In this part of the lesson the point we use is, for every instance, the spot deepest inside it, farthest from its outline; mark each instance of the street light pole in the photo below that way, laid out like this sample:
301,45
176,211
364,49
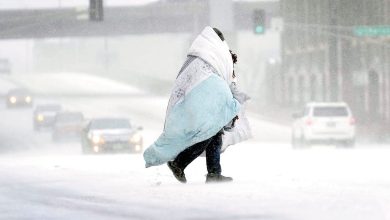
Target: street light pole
386,70
334,52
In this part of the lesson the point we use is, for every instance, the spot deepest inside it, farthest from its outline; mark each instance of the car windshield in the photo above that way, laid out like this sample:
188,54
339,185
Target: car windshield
49,108
110,124
336,111
70,117
20,92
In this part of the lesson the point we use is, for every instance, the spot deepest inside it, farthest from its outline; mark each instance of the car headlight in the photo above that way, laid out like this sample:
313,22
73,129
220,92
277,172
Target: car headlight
138,147
28,99
12,99
96,139
40,117
136,138
96,149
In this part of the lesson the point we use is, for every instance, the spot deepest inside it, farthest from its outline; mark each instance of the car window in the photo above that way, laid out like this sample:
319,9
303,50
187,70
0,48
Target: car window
18,92
70,118
334,111
49,108
110,124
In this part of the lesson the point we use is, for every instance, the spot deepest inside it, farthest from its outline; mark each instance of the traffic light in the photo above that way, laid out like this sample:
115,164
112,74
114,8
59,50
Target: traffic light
259,21
96,10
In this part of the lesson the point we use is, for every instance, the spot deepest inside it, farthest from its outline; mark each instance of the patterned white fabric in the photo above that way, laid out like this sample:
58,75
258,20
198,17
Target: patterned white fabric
188,80
241,131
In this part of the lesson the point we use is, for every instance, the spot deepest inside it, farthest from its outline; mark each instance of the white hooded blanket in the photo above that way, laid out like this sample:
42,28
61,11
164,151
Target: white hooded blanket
201,102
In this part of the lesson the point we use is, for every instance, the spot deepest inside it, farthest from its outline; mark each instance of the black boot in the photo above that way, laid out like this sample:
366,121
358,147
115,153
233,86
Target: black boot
217,178
177,172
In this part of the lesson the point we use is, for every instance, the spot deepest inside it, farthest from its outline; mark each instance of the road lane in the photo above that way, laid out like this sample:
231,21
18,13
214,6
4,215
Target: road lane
45,180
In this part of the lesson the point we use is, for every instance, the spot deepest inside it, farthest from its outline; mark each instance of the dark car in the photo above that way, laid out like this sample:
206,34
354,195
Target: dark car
67,125
111,134
44,115
19,98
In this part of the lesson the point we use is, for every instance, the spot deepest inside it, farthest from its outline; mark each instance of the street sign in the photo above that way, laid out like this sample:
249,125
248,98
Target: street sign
371,31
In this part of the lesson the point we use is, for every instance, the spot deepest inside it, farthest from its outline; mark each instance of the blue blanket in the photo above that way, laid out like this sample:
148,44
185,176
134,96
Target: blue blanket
199,115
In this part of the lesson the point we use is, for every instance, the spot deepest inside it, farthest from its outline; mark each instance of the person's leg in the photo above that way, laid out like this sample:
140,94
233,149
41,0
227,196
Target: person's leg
213,151
191,153
182,160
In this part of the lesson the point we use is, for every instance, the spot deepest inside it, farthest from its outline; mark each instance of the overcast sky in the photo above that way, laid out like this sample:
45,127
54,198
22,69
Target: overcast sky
30,4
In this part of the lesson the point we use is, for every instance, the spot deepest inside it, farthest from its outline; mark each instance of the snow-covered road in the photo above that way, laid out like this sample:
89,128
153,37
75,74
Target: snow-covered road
271,182
43,180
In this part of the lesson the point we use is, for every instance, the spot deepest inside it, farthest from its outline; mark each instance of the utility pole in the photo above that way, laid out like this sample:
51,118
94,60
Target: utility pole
334,52
96,10
386,71
283,87
346,59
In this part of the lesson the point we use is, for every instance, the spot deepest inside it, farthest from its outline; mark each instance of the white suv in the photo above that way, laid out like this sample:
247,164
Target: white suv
324,122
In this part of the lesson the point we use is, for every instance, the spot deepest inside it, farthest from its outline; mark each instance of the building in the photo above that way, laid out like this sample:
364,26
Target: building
338,50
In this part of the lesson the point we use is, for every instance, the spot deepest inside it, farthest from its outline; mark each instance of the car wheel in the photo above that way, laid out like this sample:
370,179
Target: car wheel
349,143
307,143
295,142
304,143
299,143
54,137
85,148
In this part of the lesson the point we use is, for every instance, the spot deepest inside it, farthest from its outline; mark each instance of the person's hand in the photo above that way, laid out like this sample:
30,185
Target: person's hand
234,56
240,96
234,120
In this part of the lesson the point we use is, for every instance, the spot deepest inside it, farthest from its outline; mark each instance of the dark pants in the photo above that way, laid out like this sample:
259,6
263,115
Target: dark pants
213,150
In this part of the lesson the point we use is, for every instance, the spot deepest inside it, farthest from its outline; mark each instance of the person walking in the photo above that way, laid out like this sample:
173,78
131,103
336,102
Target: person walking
211,146
200,106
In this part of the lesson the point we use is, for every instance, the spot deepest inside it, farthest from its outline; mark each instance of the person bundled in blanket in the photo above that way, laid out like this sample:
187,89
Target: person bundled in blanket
203,104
